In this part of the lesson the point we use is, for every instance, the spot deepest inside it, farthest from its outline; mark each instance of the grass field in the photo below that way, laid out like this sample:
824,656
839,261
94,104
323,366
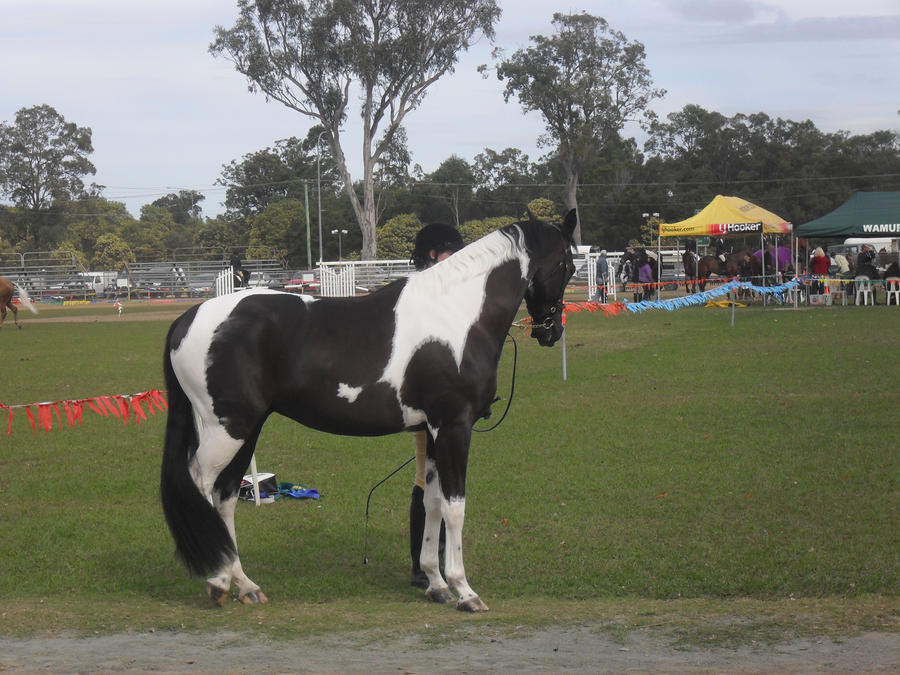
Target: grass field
685,469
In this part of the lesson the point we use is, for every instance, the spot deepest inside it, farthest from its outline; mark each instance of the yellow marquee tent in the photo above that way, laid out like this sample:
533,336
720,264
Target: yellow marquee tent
724,216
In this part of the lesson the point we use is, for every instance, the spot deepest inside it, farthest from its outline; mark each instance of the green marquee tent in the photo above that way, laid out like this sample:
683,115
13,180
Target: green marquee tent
865,214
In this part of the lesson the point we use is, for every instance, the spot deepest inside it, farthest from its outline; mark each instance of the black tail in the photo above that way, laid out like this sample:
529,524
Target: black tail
201,539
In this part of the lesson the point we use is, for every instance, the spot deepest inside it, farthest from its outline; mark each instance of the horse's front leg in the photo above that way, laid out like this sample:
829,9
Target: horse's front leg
445,490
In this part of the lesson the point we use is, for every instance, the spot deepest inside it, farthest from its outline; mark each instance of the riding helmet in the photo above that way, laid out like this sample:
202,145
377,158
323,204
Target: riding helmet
435,237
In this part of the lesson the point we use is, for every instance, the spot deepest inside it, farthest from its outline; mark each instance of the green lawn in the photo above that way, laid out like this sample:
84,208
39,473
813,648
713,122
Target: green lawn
683,461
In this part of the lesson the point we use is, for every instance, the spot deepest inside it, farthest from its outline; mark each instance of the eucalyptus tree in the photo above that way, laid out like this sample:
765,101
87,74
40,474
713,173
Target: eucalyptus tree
314,55
588,81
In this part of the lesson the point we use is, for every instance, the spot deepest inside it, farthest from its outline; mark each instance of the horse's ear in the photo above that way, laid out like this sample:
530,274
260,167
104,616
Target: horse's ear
569,223
530,214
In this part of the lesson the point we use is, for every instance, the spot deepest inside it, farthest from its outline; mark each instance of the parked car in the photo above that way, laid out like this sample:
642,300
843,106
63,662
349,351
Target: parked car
202,284
264,280
302,282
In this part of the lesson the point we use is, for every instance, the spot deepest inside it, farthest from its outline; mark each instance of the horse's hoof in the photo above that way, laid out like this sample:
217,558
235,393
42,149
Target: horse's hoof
218,595
473,604
439,595
256,597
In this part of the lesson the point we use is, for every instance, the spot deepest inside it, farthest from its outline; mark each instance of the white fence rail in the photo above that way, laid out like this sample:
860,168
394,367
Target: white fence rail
346,278
225,282
338,280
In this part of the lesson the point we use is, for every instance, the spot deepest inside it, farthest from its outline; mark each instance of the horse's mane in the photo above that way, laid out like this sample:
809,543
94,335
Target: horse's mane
475,259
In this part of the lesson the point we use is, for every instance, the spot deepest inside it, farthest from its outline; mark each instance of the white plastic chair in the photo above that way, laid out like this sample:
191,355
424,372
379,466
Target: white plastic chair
837,289
892,290
864,290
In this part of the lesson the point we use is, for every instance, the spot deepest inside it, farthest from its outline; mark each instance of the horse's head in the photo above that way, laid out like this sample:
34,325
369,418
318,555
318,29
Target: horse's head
550,250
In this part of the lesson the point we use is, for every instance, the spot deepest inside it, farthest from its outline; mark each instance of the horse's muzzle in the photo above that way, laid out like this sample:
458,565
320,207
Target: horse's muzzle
548,331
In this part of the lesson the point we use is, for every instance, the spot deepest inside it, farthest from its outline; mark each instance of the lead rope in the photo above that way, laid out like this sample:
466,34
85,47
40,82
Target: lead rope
512,389
368,499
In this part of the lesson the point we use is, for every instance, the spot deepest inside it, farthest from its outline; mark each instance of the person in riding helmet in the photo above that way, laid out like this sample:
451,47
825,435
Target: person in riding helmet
721,249
690,245
433,243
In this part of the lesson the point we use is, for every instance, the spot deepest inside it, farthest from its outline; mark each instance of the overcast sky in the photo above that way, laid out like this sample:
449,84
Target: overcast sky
166,115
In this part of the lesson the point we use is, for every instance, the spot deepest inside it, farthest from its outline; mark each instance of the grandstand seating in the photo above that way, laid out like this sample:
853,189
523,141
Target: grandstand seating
59,276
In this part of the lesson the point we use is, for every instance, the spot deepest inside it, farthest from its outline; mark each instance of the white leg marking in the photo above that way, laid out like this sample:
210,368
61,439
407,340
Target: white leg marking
215,451
454,512
428,558
244,583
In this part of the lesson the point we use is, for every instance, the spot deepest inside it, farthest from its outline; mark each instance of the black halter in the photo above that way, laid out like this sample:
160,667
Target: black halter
565,264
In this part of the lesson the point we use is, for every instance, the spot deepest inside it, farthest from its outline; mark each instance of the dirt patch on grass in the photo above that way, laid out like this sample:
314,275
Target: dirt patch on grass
111,316
578,649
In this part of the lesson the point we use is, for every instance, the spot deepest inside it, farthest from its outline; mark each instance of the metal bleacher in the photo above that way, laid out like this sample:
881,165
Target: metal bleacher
187,278
47,275
59,276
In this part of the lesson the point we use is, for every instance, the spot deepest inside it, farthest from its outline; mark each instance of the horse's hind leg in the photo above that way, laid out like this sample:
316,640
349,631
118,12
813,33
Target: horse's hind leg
217,469
249,592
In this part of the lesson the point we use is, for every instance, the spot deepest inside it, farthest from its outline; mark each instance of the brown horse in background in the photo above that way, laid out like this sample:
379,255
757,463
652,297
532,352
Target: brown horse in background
689,263
7,290
710,265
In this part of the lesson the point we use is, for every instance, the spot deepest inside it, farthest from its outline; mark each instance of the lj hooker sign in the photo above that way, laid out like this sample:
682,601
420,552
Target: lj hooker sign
687,229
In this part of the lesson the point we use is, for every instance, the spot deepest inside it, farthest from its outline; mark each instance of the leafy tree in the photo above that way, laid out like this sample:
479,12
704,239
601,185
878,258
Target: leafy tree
505,181
184,206
216,236
111,252
476,229
587,81
43,159
311,54
13,226
266,176
89,220
397,236
544,209
155,235
788,167
616,189
450,187
278,232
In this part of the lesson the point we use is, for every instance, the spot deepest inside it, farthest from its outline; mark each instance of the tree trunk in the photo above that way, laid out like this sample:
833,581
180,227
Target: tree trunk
364,211
570,198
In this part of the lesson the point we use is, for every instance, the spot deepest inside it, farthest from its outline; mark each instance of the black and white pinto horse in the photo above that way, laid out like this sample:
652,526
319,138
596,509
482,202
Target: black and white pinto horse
420,353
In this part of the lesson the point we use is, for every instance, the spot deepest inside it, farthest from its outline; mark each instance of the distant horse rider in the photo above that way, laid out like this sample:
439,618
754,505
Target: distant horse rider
241,276
690,245
721,249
